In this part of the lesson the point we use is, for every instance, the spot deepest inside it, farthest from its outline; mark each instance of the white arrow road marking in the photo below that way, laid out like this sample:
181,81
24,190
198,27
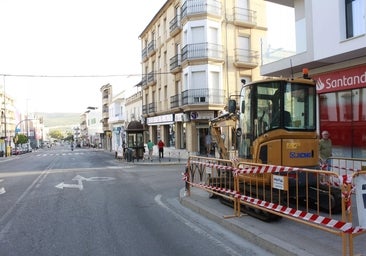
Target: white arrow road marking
80,186
2,190
80,179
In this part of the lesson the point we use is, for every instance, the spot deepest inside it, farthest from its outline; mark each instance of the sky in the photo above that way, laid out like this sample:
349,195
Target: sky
55,55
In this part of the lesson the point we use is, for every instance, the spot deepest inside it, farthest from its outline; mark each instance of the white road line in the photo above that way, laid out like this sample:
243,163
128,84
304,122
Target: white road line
195,228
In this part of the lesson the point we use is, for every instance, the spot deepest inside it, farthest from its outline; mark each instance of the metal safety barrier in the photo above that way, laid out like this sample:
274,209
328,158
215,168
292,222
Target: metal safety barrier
216,176
317,198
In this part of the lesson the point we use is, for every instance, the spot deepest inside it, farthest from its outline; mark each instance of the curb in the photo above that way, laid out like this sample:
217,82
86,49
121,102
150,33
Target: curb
268,242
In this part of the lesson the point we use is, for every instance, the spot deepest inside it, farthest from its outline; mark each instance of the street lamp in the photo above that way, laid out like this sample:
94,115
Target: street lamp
16,127
3,117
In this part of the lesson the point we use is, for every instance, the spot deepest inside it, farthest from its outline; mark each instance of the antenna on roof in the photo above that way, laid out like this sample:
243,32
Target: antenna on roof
292,70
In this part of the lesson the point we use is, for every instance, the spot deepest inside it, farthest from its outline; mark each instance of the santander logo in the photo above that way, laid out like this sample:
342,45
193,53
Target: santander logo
346,79
319,85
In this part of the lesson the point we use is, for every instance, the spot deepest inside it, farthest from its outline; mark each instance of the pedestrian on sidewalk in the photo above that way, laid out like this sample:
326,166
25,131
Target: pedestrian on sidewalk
325,150
150,147
161,149
208,141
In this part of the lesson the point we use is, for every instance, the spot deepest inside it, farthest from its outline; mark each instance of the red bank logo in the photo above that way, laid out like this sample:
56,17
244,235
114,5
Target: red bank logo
341,80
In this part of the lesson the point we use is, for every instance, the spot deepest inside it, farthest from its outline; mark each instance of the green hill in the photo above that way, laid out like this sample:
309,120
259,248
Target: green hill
60,119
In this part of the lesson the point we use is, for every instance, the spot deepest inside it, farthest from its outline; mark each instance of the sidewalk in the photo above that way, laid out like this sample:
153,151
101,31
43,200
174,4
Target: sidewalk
171,156
282,237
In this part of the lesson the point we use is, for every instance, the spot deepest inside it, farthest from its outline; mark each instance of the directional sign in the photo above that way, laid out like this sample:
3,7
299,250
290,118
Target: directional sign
80,180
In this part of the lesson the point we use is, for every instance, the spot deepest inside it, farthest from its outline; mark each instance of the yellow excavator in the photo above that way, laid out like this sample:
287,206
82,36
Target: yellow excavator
275,123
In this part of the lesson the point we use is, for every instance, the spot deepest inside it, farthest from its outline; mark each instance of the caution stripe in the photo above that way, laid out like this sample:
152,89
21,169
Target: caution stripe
345,227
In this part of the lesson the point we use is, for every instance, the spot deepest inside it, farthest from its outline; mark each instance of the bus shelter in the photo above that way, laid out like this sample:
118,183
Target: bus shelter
135,140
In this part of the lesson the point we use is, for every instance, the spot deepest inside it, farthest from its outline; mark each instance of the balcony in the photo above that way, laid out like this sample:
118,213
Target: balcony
144,54
151,49
117,118
203,51
105,112
144,81
149,108
144,109
246,58
203,96
176,101
105,98
244,17
175,26
200,8
175,62
151,78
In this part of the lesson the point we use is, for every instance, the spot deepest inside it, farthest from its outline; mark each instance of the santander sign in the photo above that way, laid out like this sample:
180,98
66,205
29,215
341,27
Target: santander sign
345,79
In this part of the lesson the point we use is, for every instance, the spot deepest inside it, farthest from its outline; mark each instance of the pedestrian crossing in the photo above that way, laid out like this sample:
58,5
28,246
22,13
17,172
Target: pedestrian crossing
62,154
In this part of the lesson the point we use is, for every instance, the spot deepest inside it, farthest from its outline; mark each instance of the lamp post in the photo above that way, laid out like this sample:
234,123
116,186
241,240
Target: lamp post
3,114
3,117
16,127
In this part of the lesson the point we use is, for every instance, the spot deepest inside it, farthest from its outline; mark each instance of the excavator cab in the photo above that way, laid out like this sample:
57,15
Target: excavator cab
277,122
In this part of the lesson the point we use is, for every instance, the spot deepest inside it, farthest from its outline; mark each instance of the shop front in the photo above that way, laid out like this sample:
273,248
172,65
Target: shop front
342,109
197,127
161,128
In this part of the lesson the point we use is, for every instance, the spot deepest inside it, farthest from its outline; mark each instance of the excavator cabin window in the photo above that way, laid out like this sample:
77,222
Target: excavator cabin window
272,105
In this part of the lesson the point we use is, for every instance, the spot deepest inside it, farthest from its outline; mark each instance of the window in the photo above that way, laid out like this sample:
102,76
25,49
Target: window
355,18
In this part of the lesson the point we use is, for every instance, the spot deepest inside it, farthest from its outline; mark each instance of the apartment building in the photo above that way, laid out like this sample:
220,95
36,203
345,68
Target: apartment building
331,43
95,127
117,120
106,137
133,107
194,55
90,127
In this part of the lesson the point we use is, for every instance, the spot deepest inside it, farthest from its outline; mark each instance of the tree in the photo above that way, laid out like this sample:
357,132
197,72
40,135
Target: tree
20,139
56,134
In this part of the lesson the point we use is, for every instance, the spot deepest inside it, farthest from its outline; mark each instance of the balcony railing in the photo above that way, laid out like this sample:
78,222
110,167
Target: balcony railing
175,25
151,107
144,80
176,101
144,109
144,53
203,96
202,50
246,58
175,63
245,16
199,7
151,77
151,47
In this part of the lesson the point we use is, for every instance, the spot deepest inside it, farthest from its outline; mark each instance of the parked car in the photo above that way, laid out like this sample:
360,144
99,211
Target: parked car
16,151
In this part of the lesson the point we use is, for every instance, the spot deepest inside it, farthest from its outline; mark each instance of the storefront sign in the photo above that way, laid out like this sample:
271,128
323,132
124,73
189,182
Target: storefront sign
339,80
179,117
163,119
199,115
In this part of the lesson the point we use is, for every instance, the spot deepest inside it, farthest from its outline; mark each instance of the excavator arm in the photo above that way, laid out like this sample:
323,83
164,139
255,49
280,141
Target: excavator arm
216,125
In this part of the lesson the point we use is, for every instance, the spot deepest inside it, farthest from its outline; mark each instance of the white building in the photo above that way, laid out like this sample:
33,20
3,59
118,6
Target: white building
95,126
331,43
117,120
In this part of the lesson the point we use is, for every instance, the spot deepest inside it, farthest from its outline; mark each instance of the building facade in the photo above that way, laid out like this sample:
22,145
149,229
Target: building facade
7,123
117,120
106,137
194,55
91,128
331,43
133,108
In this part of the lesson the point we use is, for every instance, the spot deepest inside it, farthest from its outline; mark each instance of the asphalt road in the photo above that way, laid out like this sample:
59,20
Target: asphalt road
84,202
